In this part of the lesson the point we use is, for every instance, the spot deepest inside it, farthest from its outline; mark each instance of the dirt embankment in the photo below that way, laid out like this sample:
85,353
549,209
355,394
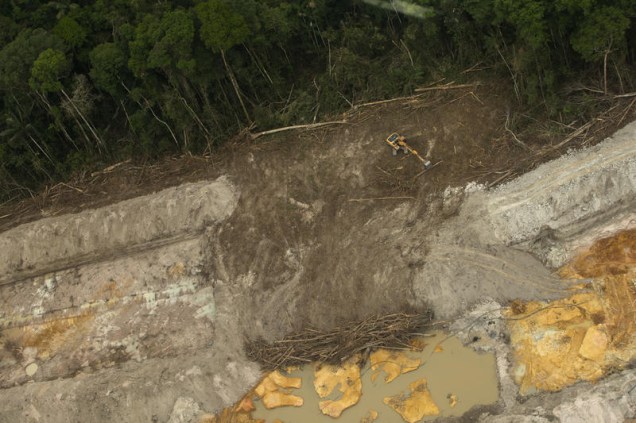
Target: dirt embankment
142,223
314,228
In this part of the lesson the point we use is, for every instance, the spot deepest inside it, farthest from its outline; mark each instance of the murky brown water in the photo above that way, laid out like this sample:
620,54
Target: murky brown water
457,370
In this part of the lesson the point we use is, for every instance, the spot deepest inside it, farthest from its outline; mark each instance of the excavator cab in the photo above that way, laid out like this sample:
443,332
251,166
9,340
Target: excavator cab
393,137
395,140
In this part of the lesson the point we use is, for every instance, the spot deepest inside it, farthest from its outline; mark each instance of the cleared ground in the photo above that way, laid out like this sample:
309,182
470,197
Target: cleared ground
117,312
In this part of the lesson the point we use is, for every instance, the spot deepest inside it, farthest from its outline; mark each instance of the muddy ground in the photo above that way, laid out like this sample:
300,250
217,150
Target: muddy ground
478,120
115,313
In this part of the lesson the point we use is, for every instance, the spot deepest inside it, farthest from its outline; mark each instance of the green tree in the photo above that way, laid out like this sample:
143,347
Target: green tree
108,62
221,29
70,31
48,69
599,31
8,30
163,43
17,58
174,48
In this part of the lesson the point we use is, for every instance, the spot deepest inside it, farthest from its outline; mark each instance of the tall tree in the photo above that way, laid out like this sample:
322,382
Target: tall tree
221,29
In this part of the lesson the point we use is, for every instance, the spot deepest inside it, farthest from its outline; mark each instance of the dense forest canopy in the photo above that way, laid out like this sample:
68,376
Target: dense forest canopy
88,82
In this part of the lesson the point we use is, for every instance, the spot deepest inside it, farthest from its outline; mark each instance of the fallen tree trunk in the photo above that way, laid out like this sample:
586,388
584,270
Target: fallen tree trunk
289,128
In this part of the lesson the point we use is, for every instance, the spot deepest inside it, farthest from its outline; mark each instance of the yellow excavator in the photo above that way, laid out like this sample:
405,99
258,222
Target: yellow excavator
398,142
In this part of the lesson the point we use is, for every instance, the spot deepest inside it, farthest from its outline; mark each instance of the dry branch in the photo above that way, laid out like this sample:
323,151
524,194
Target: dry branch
392,100
421,90
501,178
449,86
381,198
625,95
290,128
337,345
627,109
573,135
514,136
62,184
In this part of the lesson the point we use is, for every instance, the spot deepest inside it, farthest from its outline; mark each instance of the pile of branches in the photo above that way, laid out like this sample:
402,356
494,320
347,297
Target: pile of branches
339,344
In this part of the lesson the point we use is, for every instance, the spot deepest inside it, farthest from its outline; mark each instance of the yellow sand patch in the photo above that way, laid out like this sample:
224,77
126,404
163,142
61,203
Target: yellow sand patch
415,406
51,336
347,377
584,336
393,363
208,418
452,400
371,416
274,390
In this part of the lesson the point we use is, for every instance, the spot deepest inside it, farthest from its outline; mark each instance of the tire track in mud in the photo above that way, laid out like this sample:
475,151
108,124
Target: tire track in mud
578,169
95,258
478,258
124,228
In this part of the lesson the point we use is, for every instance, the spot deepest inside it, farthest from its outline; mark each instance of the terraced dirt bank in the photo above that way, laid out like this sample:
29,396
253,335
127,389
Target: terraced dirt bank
138,311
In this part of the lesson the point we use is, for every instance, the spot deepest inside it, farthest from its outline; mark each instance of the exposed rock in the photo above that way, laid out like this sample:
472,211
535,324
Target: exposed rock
393,363
273,391
31,369
416,405
594,343
347,377
185,410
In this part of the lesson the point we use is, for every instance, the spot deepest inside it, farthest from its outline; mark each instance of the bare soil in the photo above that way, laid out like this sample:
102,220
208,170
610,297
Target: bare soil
466,131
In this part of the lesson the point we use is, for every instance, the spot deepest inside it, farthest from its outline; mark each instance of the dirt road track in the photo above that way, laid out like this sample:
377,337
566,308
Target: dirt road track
573,188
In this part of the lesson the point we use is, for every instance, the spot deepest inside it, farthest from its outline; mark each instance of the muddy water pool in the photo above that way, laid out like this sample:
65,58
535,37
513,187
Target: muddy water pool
455,374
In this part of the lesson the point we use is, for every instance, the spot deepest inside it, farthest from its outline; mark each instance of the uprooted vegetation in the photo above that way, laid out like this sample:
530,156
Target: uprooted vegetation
341,343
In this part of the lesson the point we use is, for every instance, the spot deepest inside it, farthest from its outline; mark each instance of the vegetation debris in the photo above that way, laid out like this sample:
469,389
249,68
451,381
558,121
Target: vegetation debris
339,344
